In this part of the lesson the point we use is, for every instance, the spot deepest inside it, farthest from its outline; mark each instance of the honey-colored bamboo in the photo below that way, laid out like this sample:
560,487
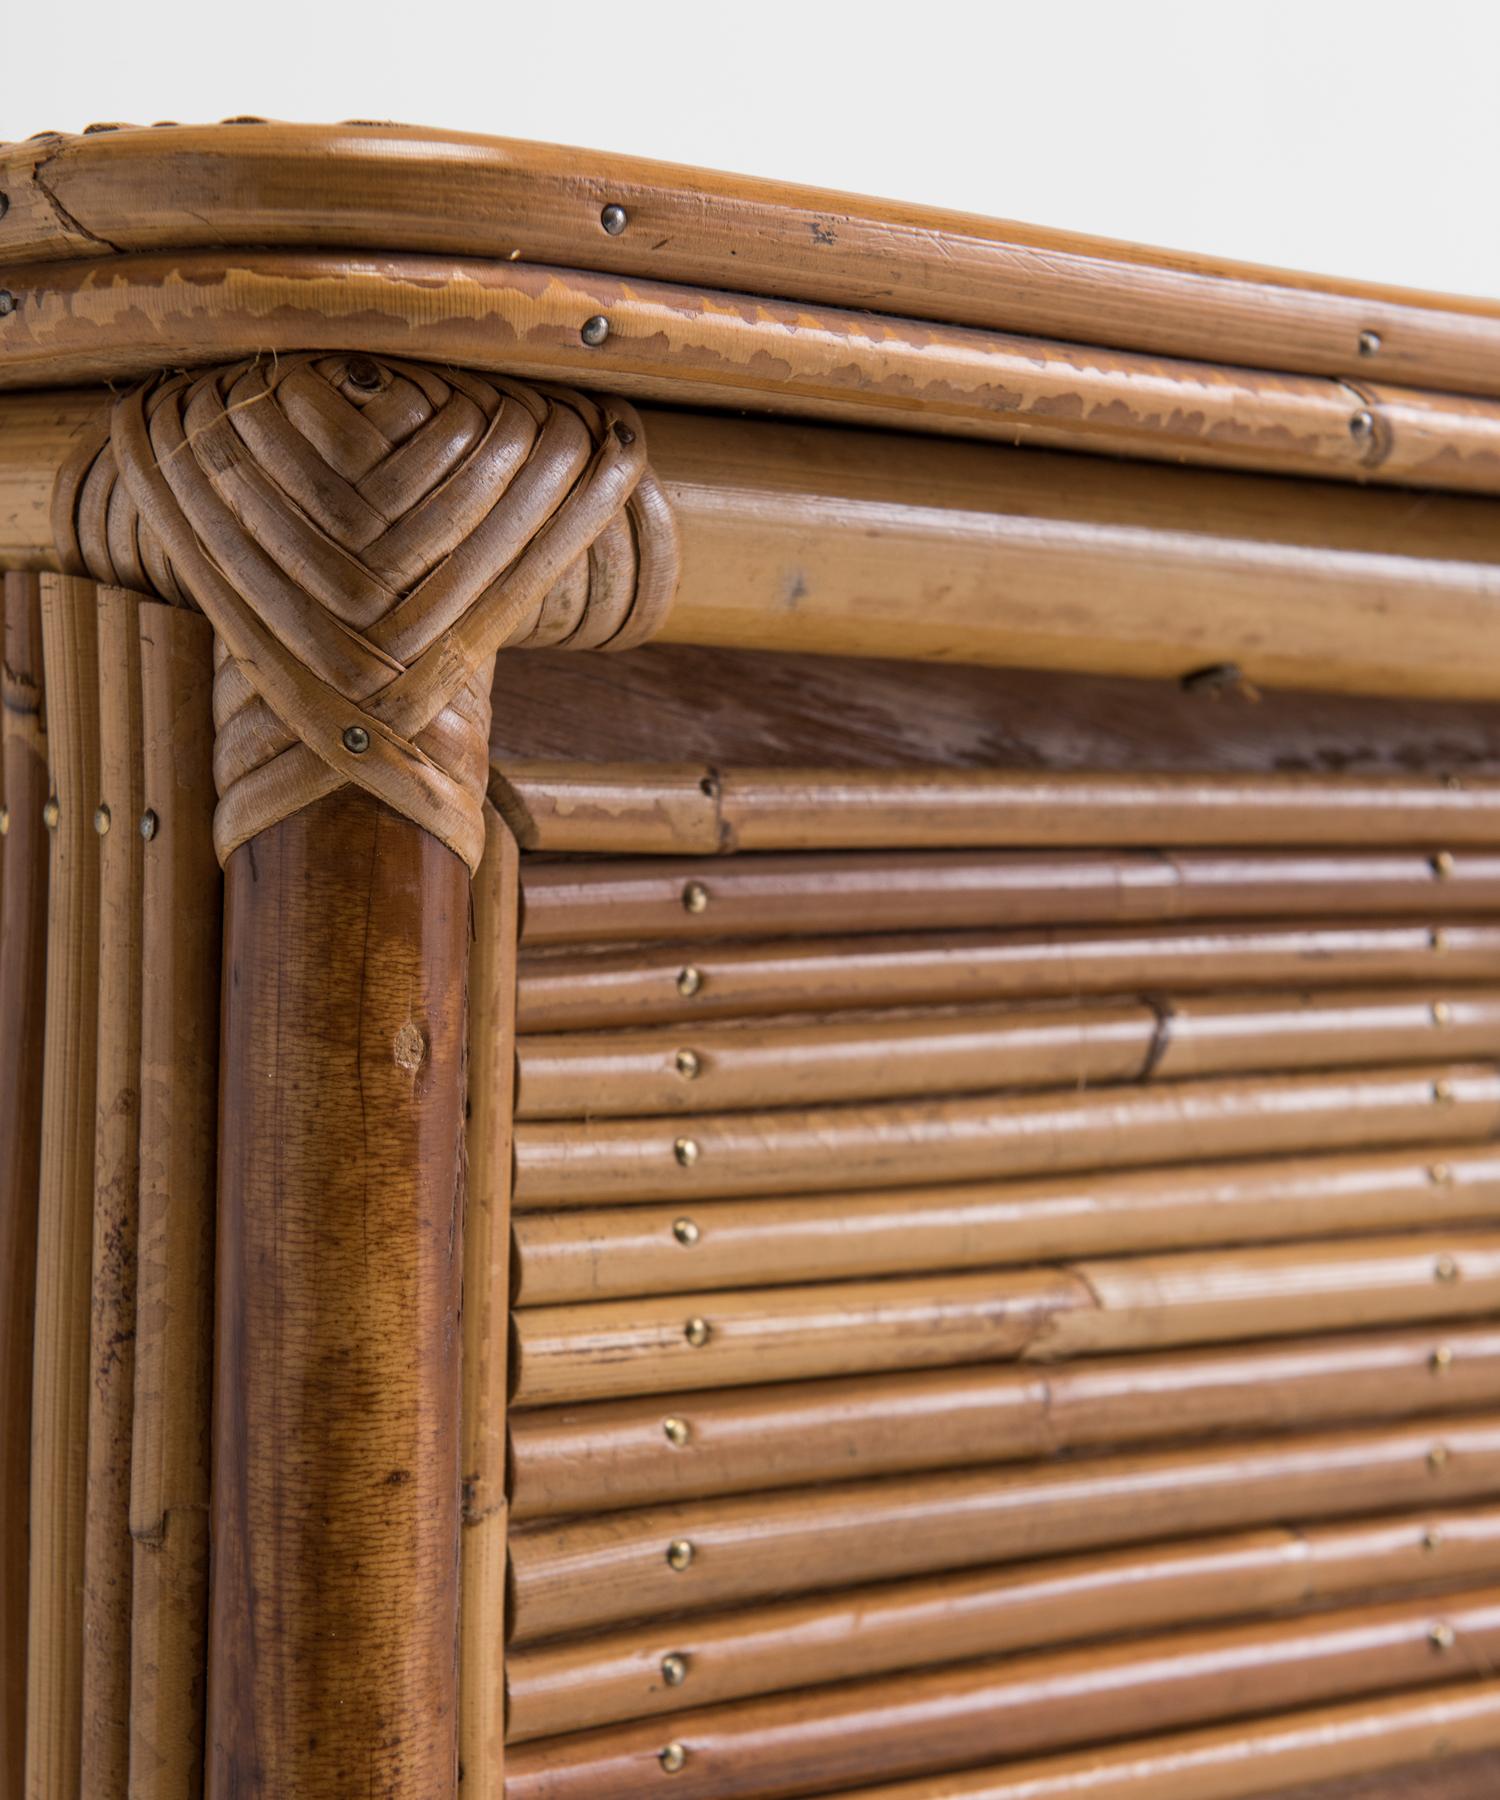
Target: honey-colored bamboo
585,1574
618,1454
950,1718
60,1404
686,811
568,1354
807,1643
107,1549
612,1252
645,985
987,1138
813,893
486,1313
23,990
169,1466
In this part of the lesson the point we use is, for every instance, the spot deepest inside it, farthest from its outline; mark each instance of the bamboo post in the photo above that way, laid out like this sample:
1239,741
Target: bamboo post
23,974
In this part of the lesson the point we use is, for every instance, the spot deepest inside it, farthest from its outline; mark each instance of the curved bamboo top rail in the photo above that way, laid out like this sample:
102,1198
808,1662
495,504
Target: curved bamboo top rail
378,186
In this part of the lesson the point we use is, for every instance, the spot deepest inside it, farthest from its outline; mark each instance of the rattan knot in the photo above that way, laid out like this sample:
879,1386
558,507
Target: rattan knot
364,536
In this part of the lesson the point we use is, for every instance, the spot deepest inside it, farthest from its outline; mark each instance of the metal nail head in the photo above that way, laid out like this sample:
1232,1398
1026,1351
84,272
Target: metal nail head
101,818
674,1669
1369,343
697,1332
695,897
356,739
679,1554
685,1231
51,813
614,219
148,824
595,331
673,1758
689,981
689,1064
677,1431
686,1151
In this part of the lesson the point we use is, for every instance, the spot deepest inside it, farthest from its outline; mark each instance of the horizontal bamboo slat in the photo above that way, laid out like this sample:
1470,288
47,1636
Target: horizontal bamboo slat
580,990
813,893
930,1720
580,1575
849,1148
802,1644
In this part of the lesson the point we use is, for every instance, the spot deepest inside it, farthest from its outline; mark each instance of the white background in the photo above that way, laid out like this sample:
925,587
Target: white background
1354,139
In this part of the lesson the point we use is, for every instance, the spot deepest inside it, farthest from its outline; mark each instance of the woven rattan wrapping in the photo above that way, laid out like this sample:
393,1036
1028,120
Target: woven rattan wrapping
364,536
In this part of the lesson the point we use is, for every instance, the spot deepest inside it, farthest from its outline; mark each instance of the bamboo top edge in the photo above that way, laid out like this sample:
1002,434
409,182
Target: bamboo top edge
381,186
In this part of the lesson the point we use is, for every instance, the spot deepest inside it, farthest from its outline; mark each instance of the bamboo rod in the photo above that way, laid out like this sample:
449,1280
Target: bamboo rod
950,1718
1095,565
595,990
618,1454
813,893
486,1313
612,1349
107,1552
580,1575
169,1469
846,1149
23,999
578,1685
668,810
611,1253
60,1403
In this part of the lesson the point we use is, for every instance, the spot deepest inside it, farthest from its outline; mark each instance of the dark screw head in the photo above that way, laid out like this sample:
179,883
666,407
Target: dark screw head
364,373
595,331
356,740
614,219
7,303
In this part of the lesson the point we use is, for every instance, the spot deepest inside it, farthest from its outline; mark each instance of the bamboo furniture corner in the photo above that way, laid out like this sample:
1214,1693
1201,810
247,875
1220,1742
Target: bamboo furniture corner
889,1190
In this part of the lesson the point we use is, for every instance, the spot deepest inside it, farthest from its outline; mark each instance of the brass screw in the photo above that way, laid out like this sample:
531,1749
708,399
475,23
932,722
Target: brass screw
1441,1358
1442,1012
1432,1539
595,331
695,897
1369,343
1442,864
685,1231
673,1758
101,818
686,1151
674,1669
689,980
1437,1457
614,219
677,1431
1362,425
356,739
51,813
4,820
1441,1637
1440,1174
1445,1269
148,824
679,1554
697,1332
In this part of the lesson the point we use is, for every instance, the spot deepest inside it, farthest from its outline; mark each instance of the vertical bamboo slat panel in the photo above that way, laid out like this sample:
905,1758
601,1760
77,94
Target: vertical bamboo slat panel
65,1222
23,993
170,1461
486,1322
106,1563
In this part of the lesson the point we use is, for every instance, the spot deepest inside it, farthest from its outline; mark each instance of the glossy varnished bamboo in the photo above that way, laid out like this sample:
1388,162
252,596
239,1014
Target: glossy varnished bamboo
60,1405
486,1313
23,973
170,1460
334,1623
107,1549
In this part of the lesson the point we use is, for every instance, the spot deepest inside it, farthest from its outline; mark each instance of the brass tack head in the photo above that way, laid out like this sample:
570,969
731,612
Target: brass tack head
356,739
1437,1457
148,824
1432,1539
685,1231
595,331
679,1554
4,820
673,1758
7,303
674,1669
689,1064
1441,1637
689,980
1362,425
676,1431
101,818
686,1151
51,813
1445,1269
1369,343
1442,1092
1441,1358
614,219
1439,1174
1442,864
697,1332
695,897
1442,1012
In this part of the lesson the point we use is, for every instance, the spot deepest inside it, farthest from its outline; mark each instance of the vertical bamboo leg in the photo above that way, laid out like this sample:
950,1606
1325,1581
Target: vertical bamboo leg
106,1562
23,991
486,1325
60,1396
336,1423
170,1460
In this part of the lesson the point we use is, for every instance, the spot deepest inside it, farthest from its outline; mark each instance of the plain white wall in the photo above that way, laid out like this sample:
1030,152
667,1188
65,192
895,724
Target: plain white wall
1355,139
